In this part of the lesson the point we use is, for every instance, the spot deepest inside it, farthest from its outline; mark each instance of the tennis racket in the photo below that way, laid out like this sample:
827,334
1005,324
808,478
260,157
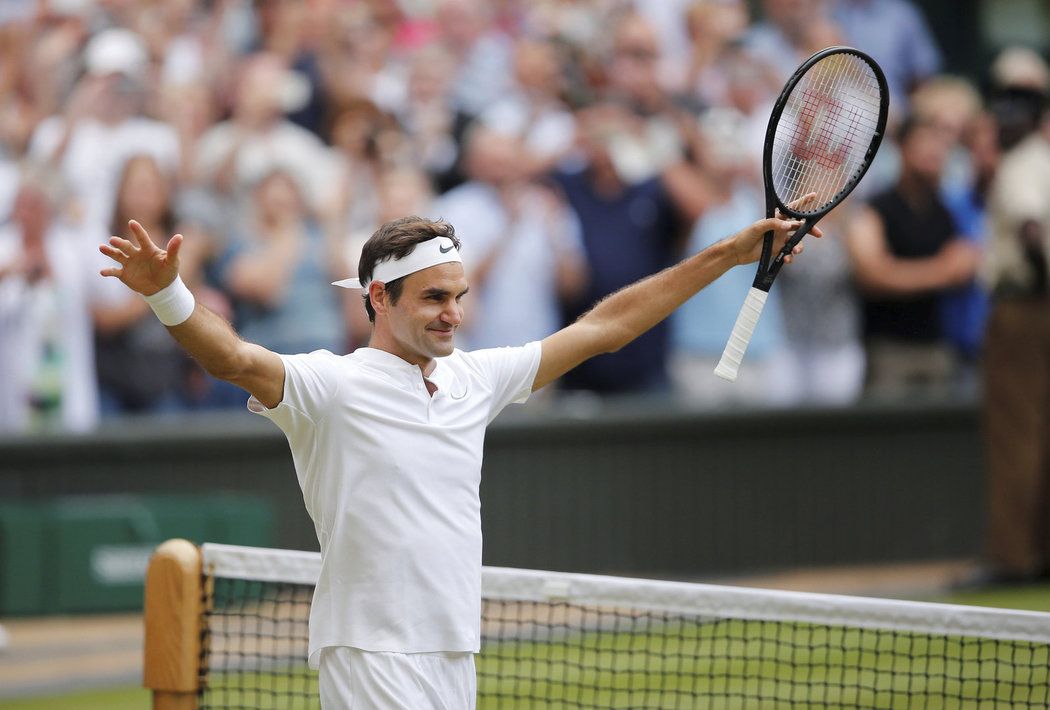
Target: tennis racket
824,131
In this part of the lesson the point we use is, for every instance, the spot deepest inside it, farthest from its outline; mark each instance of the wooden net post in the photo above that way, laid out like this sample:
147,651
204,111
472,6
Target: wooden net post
173,625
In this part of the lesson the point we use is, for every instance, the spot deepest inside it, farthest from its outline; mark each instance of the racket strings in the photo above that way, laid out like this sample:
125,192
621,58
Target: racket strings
821,141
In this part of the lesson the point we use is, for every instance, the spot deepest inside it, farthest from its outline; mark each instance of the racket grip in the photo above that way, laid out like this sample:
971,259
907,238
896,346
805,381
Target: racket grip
741,335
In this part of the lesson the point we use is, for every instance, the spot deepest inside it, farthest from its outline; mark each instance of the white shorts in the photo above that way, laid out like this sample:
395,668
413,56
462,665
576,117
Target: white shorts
352,679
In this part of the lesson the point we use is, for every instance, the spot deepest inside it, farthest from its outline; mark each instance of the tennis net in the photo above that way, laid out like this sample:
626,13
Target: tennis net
556,640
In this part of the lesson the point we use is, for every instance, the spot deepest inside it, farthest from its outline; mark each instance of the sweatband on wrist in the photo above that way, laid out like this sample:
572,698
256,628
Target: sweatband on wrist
173,304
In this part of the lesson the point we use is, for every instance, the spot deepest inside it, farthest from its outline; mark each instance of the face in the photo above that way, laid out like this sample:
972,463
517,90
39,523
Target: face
925,150
276,197
144,192
422,324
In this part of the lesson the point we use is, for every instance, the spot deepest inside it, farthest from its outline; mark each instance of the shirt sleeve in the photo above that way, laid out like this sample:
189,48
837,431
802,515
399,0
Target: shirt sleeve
510,372
310,385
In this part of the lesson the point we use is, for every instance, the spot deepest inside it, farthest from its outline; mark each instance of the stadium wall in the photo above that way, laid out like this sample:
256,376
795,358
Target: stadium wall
626,489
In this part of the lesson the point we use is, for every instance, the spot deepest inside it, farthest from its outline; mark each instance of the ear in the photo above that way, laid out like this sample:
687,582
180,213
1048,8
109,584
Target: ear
377,295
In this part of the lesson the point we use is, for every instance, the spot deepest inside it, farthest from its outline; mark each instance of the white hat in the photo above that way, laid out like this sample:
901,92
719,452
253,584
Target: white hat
1021,67
116,51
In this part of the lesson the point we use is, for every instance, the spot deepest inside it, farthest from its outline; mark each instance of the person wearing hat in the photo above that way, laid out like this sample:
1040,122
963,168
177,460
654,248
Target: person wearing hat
387,441
103,125
1016,365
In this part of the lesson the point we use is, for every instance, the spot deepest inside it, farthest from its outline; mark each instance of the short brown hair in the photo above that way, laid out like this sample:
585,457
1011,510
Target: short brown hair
396,240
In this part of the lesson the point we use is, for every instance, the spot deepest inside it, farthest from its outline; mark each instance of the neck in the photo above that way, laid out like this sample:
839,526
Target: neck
381,340
916,188
605,180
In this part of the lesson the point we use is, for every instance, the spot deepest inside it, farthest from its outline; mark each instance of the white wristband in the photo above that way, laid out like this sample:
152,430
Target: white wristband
173,304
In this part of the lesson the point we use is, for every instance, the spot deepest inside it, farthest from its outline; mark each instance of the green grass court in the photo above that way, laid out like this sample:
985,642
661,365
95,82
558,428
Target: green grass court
786,670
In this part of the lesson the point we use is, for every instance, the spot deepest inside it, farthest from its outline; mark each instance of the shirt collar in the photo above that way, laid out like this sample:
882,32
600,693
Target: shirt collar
384,359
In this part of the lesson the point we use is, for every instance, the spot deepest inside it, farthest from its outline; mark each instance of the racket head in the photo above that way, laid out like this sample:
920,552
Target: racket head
824,131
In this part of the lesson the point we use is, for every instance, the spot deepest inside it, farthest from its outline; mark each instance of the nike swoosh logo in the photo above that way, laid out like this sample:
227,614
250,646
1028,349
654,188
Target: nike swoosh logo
443,250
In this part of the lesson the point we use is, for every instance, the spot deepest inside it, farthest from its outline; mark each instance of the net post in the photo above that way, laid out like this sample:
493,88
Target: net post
172,621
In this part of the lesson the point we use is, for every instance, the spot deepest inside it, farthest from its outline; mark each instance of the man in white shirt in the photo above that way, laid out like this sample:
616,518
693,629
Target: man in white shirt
387,442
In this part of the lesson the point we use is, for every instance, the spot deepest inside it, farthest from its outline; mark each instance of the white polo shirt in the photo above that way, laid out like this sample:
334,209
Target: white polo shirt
390,476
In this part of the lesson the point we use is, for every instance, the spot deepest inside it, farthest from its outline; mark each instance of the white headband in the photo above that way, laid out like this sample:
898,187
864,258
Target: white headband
439,250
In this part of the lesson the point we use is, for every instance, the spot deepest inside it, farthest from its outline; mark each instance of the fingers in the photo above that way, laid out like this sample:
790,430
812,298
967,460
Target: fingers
802,201
140,237
114,253
788,258
123,245
782,225
112,271
173,247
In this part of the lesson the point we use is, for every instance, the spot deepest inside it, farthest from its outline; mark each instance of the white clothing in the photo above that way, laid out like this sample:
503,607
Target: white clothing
822,374
352,679
390,476
1018,194
96,153
46,326
760,381
518,301
548,131
284,146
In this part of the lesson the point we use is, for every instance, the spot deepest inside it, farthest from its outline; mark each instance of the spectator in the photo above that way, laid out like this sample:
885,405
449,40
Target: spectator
533,109
103,125
701,326
278,269
283,32
896,35
522,243
358,134
653,135
905,252
824,358
140,368
784,35
433,127
668,19
1017,355
235,154
483,53
46,279
715,30
357,62
629,229
964,310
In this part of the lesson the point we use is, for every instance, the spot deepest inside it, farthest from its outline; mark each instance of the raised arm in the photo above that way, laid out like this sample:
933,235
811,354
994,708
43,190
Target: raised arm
626,314
146,268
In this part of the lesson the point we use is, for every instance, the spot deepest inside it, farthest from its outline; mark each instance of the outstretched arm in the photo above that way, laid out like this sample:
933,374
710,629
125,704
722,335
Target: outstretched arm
146,268
626,314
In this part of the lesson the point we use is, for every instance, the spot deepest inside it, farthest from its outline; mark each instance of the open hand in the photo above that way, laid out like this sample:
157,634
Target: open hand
144,267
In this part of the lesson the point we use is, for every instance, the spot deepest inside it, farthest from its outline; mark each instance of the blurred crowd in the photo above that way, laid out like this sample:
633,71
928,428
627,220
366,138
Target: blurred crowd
575,145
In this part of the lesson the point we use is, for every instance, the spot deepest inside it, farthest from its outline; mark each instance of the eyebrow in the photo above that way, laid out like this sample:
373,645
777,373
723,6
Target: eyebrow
434,291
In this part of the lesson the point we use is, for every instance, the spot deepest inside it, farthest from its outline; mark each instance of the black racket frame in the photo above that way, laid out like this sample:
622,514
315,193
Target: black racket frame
767,271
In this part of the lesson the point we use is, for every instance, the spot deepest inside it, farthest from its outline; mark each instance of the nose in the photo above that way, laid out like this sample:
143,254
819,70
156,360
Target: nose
453,314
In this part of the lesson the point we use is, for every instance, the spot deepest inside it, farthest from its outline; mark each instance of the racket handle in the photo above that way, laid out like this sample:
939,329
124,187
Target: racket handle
741,335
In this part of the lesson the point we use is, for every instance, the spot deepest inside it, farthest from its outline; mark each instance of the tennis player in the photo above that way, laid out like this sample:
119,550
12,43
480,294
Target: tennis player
387,442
